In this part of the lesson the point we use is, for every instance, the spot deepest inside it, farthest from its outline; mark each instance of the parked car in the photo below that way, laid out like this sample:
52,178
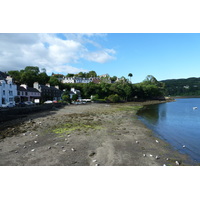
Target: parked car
29,103
48,102
20,104
8,105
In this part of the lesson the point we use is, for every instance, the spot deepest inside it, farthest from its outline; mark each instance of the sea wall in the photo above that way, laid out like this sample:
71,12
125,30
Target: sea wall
7,114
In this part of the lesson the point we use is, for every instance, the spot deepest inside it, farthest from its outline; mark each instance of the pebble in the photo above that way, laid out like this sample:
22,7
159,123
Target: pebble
177,163
72,149
33,150
24,134
49,147
36,142
16,151
150,155
62,147
36,135
157,157
64,150
94,161
144,155
56,143
24,147
167,158
66,139
136,142
68,135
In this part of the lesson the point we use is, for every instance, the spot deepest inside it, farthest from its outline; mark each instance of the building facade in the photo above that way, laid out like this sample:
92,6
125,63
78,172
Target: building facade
8,90
48,92
26,93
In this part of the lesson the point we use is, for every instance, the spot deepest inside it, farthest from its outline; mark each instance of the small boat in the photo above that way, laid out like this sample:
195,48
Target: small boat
194,108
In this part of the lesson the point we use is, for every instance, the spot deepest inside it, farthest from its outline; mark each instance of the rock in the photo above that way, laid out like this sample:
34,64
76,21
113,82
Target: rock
97,164
68,135
92,154
73,149
94,161
150,155
49,147
35,142
16,151
62,147
136,142
144,155
64,150
56,143
36,135
167,158
157,157
24,147
33,150
66,139
157,141
164,165
177,163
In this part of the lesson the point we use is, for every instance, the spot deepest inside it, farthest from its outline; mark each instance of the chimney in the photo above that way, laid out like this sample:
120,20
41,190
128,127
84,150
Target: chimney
24,86
36,85
47,84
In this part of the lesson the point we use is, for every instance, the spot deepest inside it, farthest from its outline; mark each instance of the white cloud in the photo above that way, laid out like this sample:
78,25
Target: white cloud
51,51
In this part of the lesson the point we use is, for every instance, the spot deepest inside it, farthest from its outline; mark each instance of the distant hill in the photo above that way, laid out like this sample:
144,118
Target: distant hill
182,87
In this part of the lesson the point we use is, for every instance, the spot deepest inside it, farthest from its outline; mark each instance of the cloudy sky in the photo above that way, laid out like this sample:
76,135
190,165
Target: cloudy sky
58,53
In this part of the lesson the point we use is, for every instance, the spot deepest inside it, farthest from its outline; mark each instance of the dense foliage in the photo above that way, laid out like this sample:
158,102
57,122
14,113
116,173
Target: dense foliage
119,90
182,87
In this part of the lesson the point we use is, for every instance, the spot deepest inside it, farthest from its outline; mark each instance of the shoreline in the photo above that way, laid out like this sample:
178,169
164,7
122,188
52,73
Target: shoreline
87,135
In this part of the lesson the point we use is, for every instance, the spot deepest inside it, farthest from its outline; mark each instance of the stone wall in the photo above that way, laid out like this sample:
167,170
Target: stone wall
7,114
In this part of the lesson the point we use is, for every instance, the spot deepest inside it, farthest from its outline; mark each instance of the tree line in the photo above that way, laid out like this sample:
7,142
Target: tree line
121,90
182,87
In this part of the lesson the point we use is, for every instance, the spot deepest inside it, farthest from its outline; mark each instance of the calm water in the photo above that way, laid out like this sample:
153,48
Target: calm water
177,123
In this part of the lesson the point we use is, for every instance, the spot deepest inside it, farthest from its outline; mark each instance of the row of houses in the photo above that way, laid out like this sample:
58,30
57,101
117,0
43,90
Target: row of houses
76,79
12,93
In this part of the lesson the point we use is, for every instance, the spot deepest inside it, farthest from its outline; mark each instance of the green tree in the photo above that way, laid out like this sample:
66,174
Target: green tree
54,81
130,75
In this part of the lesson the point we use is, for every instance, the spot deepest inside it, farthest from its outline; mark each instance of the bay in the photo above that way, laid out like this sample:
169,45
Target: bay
177,122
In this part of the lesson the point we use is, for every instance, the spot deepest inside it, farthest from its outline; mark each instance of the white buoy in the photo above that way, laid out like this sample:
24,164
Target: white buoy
183,146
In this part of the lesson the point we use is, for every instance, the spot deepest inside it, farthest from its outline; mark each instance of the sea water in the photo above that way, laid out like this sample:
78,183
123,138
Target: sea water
177,122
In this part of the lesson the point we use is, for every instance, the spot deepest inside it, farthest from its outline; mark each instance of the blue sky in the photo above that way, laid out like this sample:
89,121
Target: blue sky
163,55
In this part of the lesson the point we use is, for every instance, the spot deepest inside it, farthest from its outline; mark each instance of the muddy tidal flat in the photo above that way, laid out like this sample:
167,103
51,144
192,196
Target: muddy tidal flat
85,135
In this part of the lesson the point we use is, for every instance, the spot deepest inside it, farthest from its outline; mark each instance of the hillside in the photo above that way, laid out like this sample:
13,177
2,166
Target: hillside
182,87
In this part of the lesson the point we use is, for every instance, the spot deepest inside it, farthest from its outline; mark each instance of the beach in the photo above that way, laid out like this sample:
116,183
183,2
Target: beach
85,135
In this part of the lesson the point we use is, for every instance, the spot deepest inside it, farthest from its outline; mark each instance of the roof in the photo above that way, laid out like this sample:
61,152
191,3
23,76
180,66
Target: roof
29,89
2,75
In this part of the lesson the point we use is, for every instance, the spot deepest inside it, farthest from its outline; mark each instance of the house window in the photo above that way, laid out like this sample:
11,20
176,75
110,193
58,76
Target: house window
10,99
4,92
10,93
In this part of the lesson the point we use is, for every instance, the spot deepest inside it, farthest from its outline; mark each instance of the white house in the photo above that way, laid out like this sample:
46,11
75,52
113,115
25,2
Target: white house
8,91
73,92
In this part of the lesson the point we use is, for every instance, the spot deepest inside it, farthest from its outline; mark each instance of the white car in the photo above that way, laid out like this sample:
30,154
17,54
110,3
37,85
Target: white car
48,101
8,105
